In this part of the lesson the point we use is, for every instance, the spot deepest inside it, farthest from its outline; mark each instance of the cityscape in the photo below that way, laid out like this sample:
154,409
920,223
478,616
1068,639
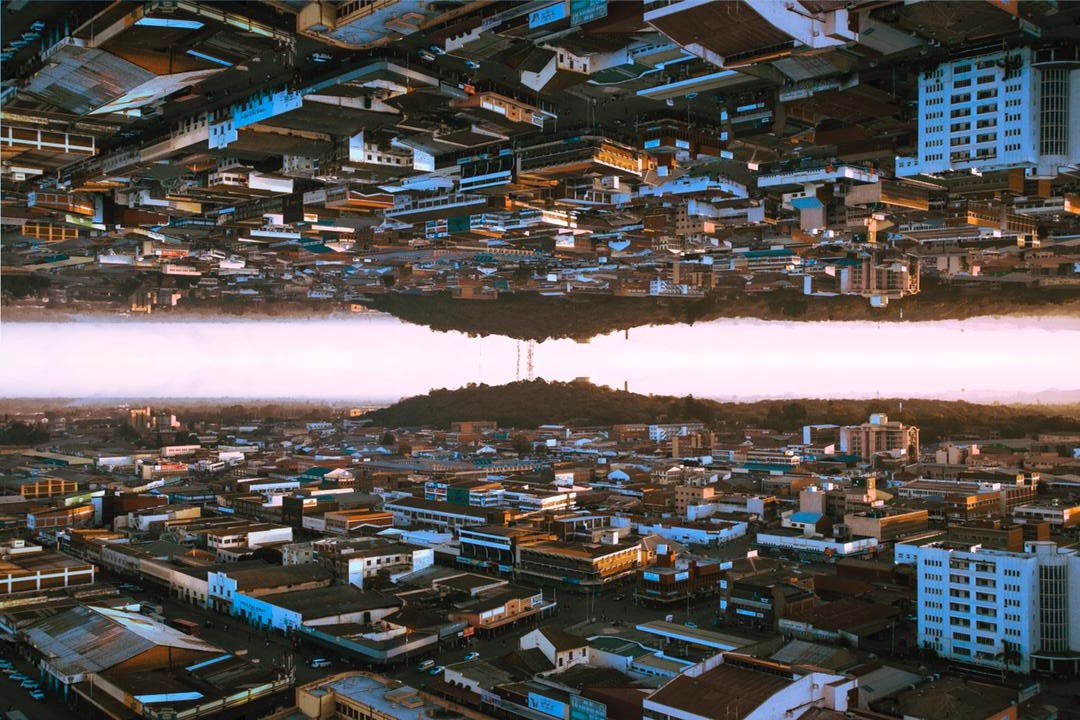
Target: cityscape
540,360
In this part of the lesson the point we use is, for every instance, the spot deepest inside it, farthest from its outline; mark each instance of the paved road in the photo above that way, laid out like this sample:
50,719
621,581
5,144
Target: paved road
12,697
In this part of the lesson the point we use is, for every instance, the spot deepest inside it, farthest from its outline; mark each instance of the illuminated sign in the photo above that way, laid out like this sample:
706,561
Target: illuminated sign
547,15
582,708
546,705
583,11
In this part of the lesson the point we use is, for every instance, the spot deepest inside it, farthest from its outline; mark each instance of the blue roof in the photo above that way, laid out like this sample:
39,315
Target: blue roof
779,252
766,467
806,517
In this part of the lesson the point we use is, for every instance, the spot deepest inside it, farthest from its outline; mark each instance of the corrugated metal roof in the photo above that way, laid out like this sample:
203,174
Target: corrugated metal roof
86,639
82,79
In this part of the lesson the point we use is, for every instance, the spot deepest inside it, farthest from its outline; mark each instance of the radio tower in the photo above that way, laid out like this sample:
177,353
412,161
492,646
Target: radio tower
517,363
529,360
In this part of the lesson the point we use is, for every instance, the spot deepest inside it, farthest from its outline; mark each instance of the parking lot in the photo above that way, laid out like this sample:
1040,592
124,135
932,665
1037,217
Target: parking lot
13,697
614,612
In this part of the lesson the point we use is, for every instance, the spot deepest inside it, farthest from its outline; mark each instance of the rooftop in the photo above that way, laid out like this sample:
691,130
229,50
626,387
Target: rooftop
725,693
330,601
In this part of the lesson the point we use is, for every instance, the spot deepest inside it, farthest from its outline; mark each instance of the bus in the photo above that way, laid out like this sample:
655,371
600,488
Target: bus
186,626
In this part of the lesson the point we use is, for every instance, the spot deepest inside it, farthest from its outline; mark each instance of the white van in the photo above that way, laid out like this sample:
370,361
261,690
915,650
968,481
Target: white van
426,665
320,663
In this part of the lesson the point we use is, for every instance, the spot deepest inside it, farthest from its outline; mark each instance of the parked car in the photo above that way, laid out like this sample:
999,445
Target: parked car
425,55
425,665
320,663
437,670
29,685
691,625
472,64
437,50
472,656
37,694
17,677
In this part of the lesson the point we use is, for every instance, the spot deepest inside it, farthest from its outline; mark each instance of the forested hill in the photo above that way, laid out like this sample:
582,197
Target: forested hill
527,404
530,316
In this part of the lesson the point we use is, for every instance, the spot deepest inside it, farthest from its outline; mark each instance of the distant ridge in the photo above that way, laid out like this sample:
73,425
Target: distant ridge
530,403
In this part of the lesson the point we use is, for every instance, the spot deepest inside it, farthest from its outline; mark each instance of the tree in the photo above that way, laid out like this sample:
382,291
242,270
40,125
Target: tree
388,439
127,433
521,445
794,414
20,433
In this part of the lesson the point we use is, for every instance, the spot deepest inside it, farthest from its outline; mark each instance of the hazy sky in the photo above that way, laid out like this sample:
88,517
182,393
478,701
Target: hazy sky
382,358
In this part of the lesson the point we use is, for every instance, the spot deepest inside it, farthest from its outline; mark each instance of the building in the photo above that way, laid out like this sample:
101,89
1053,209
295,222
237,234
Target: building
759,597
879,435
334,605
976,699
254,579
1011,109
347,522
26,567
410,511
585,566
686,495
887,525
737,687
239,539
1059,515
793,542
990,534
562,649
359,696
705,532
471,493
494,610
675,578
999,609
353,560
118,664
497,548
53,519
37,487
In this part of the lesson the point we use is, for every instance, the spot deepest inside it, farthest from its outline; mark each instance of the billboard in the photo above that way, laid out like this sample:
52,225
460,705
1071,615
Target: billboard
583,11
582,708
549,14
546,705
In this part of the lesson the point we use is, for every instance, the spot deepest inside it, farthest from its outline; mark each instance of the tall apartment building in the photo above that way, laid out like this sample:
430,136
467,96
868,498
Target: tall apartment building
996,608
878,435
999,111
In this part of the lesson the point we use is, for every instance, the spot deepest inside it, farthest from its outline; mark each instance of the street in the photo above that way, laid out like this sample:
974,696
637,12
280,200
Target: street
13,697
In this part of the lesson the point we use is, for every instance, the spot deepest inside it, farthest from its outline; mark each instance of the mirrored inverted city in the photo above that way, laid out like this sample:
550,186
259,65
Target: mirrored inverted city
540,360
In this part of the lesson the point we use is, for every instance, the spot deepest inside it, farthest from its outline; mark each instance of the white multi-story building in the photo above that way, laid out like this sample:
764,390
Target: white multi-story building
997,608
1010,109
